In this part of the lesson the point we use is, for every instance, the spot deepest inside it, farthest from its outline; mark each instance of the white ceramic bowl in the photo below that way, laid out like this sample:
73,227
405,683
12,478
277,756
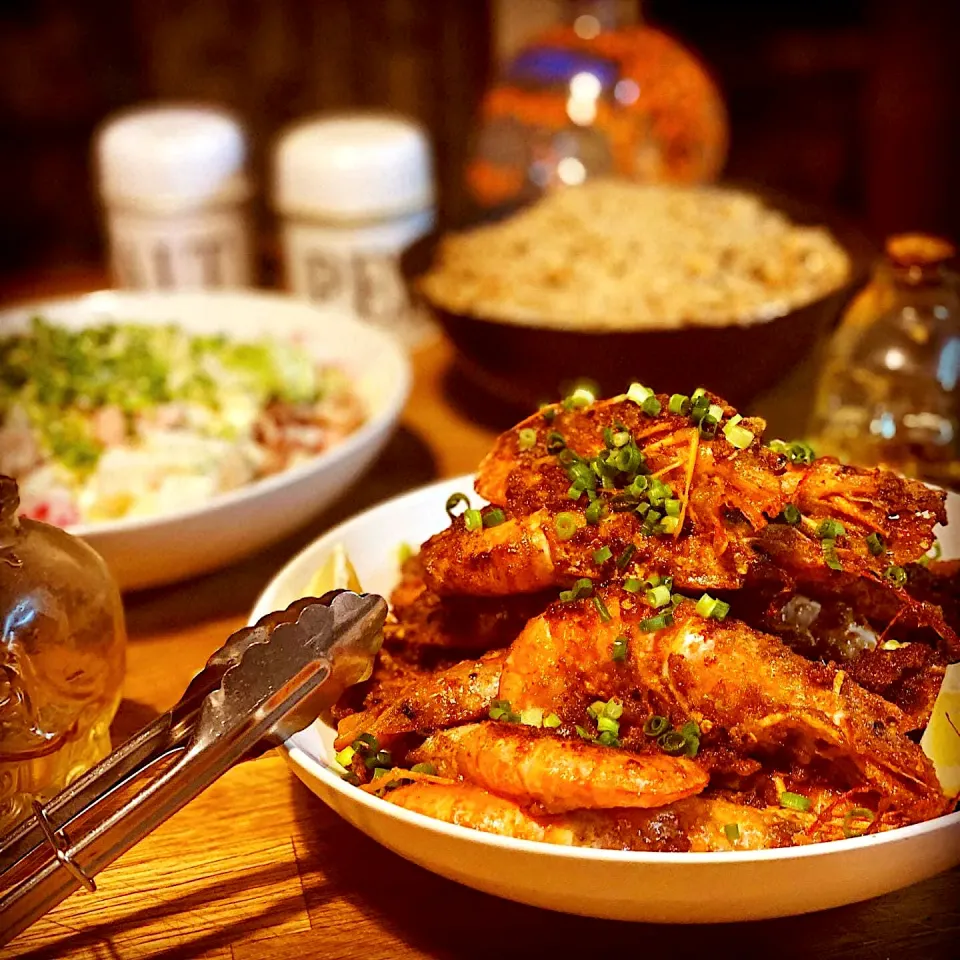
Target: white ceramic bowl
654,887
148,551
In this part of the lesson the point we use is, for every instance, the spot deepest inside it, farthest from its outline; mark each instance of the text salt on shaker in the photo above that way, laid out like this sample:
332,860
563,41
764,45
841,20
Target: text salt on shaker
175,195
354,192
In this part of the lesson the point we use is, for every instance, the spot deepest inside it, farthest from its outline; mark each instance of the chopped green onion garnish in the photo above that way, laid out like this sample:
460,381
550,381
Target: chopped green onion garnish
699,408
651,406
345,756
602,555
650,522
578,470
708,427
875,544
582,733
739,437
638,485
896,575
351,778
672,742
566,525
655,726
501,710
581,397
382,758
638,393
555,442
672,508
715,411
607,739
624,559
708,606
613,709
857,821
679,404
549,413
381,772
691,734
791,515
454,501
794,801
531,717
576,490
632,585
732,831
669,524
606,725
366,743
552,721
620,439
582,588
658,596
934,553
601,609
494,517
658,492
830,530
526,438
659,622
594,511
427,768
473,520
830,558
618,651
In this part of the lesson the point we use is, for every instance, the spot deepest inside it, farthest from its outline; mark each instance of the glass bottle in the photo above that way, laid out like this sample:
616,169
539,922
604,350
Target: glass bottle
889,393
600,95
62,642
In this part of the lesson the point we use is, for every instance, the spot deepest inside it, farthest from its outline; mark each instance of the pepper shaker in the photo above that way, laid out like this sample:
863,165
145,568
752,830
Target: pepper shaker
354,191
174,189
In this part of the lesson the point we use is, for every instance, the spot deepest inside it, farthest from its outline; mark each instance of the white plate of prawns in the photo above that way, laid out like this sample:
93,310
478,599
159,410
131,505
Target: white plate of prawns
652,667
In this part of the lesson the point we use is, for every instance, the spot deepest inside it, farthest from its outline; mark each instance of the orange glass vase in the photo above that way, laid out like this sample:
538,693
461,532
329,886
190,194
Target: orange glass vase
595,98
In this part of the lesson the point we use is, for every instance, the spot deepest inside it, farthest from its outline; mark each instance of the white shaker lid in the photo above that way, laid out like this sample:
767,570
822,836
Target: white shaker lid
353,167
166,157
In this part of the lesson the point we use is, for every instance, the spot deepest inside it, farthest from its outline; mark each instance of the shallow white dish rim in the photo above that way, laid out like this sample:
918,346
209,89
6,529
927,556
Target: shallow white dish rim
395,400
313,767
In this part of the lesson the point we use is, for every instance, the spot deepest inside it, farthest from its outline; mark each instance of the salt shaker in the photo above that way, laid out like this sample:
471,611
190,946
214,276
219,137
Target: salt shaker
174,189
354,191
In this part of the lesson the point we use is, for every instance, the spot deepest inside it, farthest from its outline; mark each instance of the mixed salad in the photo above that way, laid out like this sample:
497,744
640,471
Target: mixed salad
125,419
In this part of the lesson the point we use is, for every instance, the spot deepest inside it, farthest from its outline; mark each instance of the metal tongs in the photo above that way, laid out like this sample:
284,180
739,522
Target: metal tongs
264,684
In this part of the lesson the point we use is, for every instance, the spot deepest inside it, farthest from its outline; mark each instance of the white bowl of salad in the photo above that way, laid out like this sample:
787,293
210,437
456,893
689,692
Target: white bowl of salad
178,432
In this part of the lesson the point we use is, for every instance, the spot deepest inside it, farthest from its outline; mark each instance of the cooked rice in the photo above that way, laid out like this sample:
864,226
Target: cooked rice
614,254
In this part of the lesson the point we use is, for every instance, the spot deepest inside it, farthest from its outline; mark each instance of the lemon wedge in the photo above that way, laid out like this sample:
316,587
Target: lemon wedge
337,573
941,739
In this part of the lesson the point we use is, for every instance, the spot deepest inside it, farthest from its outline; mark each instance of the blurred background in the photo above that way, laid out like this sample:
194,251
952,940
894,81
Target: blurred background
854,104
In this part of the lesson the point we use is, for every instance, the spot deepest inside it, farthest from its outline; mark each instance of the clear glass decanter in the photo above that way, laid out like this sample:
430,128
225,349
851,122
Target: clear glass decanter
889,392
62,643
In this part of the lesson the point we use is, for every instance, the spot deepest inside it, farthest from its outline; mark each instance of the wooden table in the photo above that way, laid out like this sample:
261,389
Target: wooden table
257,868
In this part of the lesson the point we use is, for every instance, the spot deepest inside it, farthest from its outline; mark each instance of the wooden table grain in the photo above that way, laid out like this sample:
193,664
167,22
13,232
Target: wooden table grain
257,868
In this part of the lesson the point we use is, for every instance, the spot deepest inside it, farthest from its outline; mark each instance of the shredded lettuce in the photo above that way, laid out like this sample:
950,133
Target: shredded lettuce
61,377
